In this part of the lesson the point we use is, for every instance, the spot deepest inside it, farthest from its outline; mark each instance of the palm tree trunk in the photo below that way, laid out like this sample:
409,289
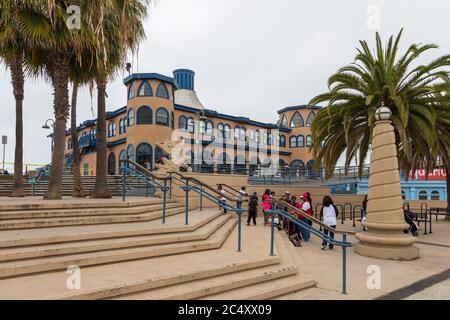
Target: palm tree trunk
60,80
77,186
101,186
18,80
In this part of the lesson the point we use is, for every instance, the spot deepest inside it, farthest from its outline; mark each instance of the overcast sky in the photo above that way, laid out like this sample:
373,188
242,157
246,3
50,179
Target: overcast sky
251,57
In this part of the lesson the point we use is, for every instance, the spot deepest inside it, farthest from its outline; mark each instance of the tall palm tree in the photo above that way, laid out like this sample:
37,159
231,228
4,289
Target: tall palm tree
373,79
123,30
12,49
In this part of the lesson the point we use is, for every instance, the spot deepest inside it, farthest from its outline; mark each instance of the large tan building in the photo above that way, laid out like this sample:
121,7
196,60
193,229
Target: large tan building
159,106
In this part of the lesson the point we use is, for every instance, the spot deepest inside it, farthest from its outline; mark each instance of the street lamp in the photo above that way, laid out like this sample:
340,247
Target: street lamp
46,126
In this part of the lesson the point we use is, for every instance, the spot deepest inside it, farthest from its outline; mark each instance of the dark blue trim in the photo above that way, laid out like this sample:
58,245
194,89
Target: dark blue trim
147,76
244,120
300,107
110,144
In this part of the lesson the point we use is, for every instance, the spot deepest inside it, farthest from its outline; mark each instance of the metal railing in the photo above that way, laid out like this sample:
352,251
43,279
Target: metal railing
344,244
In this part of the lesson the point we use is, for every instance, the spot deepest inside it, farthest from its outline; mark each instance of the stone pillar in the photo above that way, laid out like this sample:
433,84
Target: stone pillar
385,219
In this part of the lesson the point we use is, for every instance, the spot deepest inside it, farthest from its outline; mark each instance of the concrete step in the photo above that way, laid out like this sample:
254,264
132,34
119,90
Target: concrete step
70,221
73,247
46,213
64,234
224,283
118,279
16,268
37,203
300,280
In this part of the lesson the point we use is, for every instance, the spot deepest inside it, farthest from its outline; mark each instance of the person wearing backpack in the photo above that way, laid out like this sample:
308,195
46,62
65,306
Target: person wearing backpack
329,212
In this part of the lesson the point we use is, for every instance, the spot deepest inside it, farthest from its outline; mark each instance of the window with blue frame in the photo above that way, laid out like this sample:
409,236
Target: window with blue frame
111,129
130,117
172,120
310,119
209,128
423,195
293,142
123,125
131,91
162,91
145,90
190,125
182,123
162,117
300,141
297,121
308,141
144,115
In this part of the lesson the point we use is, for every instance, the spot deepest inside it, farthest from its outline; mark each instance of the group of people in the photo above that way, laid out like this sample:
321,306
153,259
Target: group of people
298,209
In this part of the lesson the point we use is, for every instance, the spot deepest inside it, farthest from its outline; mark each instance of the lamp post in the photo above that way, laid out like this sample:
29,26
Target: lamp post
385,218
46,126
4,142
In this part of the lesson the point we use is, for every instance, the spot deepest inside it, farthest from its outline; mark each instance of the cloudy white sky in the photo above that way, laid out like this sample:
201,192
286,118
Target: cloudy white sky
251,57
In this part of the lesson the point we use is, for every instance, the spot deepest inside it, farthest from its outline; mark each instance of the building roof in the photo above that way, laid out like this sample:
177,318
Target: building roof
146,76
300,107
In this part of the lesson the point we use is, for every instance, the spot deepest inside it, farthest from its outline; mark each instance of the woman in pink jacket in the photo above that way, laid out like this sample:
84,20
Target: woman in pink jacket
266,204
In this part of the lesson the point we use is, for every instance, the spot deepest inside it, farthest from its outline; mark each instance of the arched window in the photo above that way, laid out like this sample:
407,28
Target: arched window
69,143
293,142
257,136
145,90
131,91
297,121
308,141
435,195
144,115
221,130
158,154
144,155
111,129
300,141
227,131
310,119
423,195
111,164
237,133
190,125
162,117
182,123
202,126
297,168
130,117
265,138
130,152
209,128
284,121
172,120
251,135
162,91
122,156
123,125
283,141
270,139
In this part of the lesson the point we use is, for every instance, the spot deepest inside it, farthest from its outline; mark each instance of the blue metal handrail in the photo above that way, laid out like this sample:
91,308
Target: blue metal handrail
344,244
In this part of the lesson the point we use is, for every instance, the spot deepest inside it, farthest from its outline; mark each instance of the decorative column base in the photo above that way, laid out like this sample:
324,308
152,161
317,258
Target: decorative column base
387,245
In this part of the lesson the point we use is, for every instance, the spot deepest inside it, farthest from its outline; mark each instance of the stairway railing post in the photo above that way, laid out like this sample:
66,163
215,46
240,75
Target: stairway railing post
123,186
164,201
187,203
170,190
272,234
201,198
239,212
344,265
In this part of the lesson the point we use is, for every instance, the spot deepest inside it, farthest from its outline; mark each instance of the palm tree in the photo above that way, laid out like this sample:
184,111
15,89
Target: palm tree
123,30
12,48
357,90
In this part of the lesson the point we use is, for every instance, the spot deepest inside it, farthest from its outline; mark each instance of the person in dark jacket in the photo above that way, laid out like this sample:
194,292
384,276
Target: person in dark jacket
252,208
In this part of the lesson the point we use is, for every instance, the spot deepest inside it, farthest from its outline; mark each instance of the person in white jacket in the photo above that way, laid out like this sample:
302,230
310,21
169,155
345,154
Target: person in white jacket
329,213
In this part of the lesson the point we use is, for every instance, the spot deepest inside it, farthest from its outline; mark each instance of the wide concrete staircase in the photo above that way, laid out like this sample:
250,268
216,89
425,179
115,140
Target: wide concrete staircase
121,257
